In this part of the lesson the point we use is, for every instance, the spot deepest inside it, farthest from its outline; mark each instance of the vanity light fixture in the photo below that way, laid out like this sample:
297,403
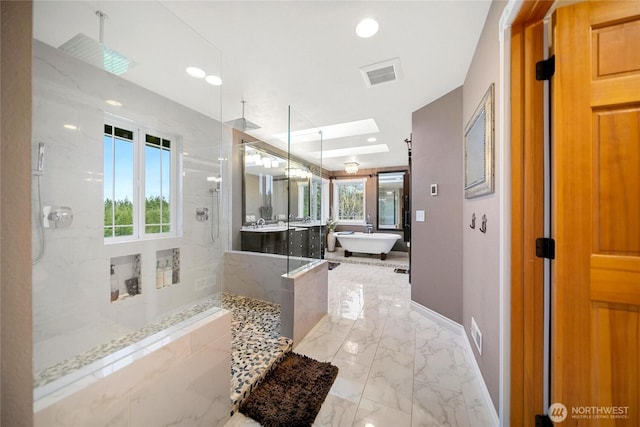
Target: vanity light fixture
196,72
351,168
367,28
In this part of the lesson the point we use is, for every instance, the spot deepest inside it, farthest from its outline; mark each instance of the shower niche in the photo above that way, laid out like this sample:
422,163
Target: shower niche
125,277
167,267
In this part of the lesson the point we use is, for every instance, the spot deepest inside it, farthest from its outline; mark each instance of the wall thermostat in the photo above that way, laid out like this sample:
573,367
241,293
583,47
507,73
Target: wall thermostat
434,189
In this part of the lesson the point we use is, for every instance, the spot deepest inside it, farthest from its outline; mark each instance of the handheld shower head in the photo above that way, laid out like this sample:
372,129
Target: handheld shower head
40,160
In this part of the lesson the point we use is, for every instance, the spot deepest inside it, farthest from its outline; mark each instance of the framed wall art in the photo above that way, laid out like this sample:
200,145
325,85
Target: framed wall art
478,149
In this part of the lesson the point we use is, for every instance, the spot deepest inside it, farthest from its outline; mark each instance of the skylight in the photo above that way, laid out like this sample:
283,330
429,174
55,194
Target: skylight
352,151
340,130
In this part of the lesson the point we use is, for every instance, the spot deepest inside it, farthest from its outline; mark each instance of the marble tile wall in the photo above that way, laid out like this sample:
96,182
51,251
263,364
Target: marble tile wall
182,379
254,275
304,300
72,312
302,294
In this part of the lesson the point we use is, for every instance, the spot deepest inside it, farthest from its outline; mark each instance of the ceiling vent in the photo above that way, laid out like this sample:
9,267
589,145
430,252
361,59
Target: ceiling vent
381,72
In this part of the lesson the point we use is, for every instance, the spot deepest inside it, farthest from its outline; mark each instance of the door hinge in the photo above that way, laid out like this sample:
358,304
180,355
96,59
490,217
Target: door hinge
545,248
545,69
543,421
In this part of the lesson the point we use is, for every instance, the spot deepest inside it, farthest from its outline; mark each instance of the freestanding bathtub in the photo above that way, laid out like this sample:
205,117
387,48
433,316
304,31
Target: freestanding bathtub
368,243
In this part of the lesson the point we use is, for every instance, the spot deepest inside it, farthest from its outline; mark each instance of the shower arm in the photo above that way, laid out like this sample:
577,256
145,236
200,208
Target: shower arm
102,17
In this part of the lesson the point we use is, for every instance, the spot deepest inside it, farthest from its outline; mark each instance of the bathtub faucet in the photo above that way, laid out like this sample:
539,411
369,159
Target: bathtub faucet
369,228
261,222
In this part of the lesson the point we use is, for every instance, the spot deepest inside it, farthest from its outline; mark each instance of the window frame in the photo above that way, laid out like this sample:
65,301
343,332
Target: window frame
139,185
336,202
302,187
173,184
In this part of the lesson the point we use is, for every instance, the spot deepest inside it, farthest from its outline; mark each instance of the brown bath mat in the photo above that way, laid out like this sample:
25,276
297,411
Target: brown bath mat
292,393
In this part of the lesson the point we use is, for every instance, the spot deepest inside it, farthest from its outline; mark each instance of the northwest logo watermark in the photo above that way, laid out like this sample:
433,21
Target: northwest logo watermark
559,412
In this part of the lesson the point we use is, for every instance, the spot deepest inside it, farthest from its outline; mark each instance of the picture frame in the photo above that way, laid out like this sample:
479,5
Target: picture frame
478,149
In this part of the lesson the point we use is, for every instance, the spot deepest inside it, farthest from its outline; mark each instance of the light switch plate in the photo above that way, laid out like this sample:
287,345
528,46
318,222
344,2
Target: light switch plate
420,216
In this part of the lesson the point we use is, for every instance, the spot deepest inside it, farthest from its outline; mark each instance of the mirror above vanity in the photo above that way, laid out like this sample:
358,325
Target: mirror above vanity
266,180
281,204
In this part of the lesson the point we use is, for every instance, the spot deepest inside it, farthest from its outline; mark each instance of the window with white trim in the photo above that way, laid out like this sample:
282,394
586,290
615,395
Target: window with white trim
349,200
140,183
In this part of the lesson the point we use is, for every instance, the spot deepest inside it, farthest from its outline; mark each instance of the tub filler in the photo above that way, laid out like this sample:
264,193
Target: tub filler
368,243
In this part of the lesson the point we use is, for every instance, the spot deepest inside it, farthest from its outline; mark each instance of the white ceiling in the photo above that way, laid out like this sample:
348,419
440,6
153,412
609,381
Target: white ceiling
299,53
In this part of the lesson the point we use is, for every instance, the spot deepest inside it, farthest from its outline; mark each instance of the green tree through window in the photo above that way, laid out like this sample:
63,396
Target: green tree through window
122,204
349,200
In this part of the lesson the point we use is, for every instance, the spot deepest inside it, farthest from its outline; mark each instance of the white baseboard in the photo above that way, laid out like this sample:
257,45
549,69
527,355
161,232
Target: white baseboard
458,328
437,317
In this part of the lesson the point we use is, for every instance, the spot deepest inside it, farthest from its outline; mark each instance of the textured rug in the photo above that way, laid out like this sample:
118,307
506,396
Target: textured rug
333,265
292,393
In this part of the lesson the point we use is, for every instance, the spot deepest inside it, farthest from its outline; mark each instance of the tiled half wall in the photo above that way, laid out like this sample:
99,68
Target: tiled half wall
302,294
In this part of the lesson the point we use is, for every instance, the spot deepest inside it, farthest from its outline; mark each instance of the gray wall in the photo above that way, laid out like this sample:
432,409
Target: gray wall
481,252
16,381
436,243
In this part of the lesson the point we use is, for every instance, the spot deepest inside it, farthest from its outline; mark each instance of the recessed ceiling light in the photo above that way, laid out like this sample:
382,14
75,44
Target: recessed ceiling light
113,102
367,28
213,80
372,139
71,127
196,72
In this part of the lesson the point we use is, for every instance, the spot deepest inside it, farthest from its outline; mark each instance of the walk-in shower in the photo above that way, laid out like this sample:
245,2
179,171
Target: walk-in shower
135,271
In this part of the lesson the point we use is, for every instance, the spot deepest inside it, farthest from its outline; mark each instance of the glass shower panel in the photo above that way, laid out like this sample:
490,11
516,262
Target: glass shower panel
134,153
307,220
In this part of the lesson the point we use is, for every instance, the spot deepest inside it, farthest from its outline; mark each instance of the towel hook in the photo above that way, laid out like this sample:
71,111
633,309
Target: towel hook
473,221
483,227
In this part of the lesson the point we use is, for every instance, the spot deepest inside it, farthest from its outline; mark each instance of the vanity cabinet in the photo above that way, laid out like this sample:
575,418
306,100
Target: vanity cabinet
267,242
303,241
316,238
299,242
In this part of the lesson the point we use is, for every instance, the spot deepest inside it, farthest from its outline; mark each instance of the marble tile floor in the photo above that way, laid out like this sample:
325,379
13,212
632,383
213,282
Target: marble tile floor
394,259
398,367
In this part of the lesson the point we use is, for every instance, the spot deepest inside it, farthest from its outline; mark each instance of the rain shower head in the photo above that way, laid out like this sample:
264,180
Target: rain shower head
242,124
97,53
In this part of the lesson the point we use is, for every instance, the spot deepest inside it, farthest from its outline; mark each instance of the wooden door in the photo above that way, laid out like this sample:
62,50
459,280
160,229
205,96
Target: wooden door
595,349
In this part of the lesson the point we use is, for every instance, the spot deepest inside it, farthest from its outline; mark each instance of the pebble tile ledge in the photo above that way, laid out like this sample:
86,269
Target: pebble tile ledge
256,344
65,367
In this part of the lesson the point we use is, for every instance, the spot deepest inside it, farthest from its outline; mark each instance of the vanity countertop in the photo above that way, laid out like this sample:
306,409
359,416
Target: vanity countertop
266,229
307,224
272,228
